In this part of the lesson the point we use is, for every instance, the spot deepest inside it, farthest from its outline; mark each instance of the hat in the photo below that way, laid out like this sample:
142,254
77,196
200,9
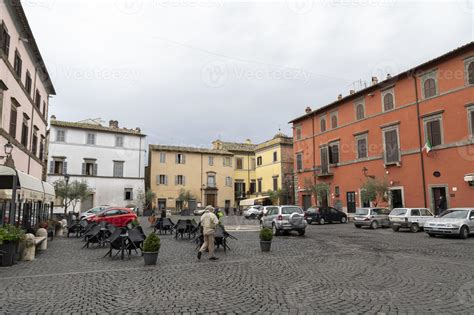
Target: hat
210,208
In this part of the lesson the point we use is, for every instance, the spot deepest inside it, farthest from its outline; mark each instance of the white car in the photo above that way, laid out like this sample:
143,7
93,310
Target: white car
454,221
86,214
253,212
412,218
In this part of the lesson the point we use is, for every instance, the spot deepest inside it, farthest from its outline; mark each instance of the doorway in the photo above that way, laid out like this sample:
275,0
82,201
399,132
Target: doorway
211,200
306,202
351,201
161,204
439,199
324,201
397,197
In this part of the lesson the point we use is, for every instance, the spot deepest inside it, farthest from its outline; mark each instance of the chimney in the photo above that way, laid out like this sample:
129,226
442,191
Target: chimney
375,80
339,97
138,129
248,141
113,124
389,76
308,110
53,117
352,92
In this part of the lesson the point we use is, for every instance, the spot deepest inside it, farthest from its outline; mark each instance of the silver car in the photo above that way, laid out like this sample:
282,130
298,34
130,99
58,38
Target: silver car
86,214
454,221
253,212
371,217
412,218
285,219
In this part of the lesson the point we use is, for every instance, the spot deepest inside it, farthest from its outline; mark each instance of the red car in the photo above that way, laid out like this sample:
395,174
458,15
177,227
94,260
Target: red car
119,217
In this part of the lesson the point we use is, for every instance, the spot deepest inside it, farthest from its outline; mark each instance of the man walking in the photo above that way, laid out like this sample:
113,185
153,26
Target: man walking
208,222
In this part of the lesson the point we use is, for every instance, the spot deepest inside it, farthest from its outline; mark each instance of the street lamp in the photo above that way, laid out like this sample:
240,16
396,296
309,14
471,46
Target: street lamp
8,152
66,178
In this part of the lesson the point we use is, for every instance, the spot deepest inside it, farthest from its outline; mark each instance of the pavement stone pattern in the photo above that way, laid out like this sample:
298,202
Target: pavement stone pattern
335,268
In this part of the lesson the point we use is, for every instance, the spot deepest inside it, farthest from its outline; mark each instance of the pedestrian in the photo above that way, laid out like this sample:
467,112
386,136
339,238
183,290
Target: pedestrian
208,222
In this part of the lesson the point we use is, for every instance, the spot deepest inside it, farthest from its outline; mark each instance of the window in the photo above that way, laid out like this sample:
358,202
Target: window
391,146
179,180
337,191
228,181
162,180
25,131
44,109
89,167
433,130
324,160
5,40
119,141
429,84
58,166
128,193
469,69
259,181
227,161
259,161
275,183
180,158
211,180
360,114
38,100
13,121
211,160
388,100
252,186
239,188
60,136
34,143
322,124
162,157
28,82
91,138
361,143
298,132
275,156
239,163
415,212
333,120
334,153
41,148
299,161
470,118
17,64
118,168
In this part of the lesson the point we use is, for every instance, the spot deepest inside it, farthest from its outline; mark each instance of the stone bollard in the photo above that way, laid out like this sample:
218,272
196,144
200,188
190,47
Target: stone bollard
29,249
60,231
63,222
41,233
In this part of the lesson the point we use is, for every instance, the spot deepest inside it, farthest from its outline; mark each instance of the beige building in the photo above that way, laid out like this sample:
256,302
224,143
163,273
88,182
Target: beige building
206,173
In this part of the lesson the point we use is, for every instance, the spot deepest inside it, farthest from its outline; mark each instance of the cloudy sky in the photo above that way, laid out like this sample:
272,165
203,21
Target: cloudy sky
190,71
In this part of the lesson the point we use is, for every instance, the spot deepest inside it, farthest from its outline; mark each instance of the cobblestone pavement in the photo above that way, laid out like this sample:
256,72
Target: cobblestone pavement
333,269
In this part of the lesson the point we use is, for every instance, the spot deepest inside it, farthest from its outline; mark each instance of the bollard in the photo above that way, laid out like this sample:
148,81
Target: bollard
41,233
29,249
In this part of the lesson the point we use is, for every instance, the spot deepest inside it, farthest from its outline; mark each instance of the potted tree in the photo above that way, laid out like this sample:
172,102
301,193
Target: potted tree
10,236
266,236
151,247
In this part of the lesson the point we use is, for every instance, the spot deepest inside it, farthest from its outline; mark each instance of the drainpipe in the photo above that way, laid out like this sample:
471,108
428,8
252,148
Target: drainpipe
422,161
32,117
314,154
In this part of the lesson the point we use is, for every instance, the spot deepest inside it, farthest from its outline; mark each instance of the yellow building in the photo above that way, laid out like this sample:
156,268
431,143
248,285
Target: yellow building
206,173
274,169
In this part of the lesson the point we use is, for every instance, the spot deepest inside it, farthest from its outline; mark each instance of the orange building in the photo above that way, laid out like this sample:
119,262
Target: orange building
384,132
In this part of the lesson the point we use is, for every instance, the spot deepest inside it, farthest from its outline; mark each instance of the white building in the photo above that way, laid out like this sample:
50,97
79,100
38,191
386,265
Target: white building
109,158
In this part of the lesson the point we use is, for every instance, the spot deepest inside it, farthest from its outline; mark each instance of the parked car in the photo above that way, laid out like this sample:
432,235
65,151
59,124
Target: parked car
91,212
371,217
253,212
412,218
324,215
199,211
285,219
120,217
454,221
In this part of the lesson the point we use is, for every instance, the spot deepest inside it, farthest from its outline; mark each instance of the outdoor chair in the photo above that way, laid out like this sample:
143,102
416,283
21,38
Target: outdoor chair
164,225
74,227
183,227
115,242
93,236
137,238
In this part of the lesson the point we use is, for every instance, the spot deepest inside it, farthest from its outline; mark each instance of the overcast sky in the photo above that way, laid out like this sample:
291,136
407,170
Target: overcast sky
190,71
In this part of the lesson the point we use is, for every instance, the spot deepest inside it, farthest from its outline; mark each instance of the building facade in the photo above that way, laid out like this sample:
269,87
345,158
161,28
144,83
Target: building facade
206,173
25,89
384,132
109,158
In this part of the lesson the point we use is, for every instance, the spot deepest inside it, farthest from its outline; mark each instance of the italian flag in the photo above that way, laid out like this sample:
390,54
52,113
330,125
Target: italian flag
427,146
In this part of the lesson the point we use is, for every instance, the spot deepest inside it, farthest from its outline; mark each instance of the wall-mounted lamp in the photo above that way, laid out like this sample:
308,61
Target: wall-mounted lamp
365,171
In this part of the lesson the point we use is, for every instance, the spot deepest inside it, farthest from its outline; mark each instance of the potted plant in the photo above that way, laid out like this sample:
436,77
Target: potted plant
266,236
151,247
10,236
56,226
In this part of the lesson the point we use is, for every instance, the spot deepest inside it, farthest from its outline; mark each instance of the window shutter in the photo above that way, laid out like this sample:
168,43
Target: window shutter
83,168
324,160
166,179
184,159
51,167
335,154
94,169
157,179
176,159
184,180
64,167
391,145
176,180
435,128
472,119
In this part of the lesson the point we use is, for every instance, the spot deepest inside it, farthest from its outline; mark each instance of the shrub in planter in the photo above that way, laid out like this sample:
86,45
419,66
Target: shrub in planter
10,236
266,236
151,247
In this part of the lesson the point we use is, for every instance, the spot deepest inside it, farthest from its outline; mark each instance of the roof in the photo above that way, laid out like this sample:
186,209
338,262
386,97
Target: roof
154,147
387,82
44,75
279,138
95,127
241,147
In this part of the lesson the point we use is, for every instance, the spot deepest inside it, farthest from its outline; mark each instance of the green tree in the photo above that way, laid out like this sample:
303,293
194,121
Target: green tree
277,196
71,193
375,190
185,196
318,190
145,199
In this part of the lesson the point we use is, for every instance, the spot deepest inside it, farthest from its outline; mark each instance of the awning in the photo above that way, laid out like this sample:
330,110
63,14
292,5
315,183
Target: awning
49,192
469,177
251,201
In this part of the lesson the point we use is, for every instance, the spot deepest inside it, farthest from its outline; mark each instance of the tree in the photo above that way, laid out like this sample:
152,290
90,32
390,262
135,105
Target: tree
145,199
375,190
185,196
277,196
318,190
71,193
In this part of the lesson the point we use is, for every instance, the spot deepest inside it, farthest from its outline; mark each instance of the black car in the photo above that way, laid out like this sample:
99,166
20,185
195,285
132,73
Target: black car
324,215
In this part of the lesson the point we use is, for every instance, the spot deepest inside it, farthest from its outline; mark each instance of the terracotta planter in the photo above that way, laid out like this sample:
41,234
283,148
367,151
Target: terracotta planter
265,246
150,258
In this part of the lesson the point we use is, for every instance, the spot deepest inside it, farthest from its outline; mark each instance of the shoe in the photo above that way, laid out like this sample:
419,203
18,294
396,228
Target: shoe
213,258
199,255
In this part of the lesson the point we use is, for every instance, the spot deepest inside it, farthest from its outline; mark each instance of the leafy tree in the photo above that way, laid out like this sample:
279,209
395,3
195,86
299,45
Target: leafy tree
318,190
277,196
71,193
145,199
375,190
185,196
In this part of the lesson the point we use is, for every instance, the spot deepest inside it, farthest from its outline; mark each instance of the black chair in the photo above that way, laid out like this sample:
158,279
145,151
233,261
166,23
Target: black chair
115,242
93,236
183,227
137,237
164,225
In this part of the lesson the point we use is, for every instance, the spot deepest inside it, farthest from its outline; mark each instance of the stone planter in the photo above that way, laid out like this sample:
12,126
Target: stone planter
60,232
150,258
265,246
8,258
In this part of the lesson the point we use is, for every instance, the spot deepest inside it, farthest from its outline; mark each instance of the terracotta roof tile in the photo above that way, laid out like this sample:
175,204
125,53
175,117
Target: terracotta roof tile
95,127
